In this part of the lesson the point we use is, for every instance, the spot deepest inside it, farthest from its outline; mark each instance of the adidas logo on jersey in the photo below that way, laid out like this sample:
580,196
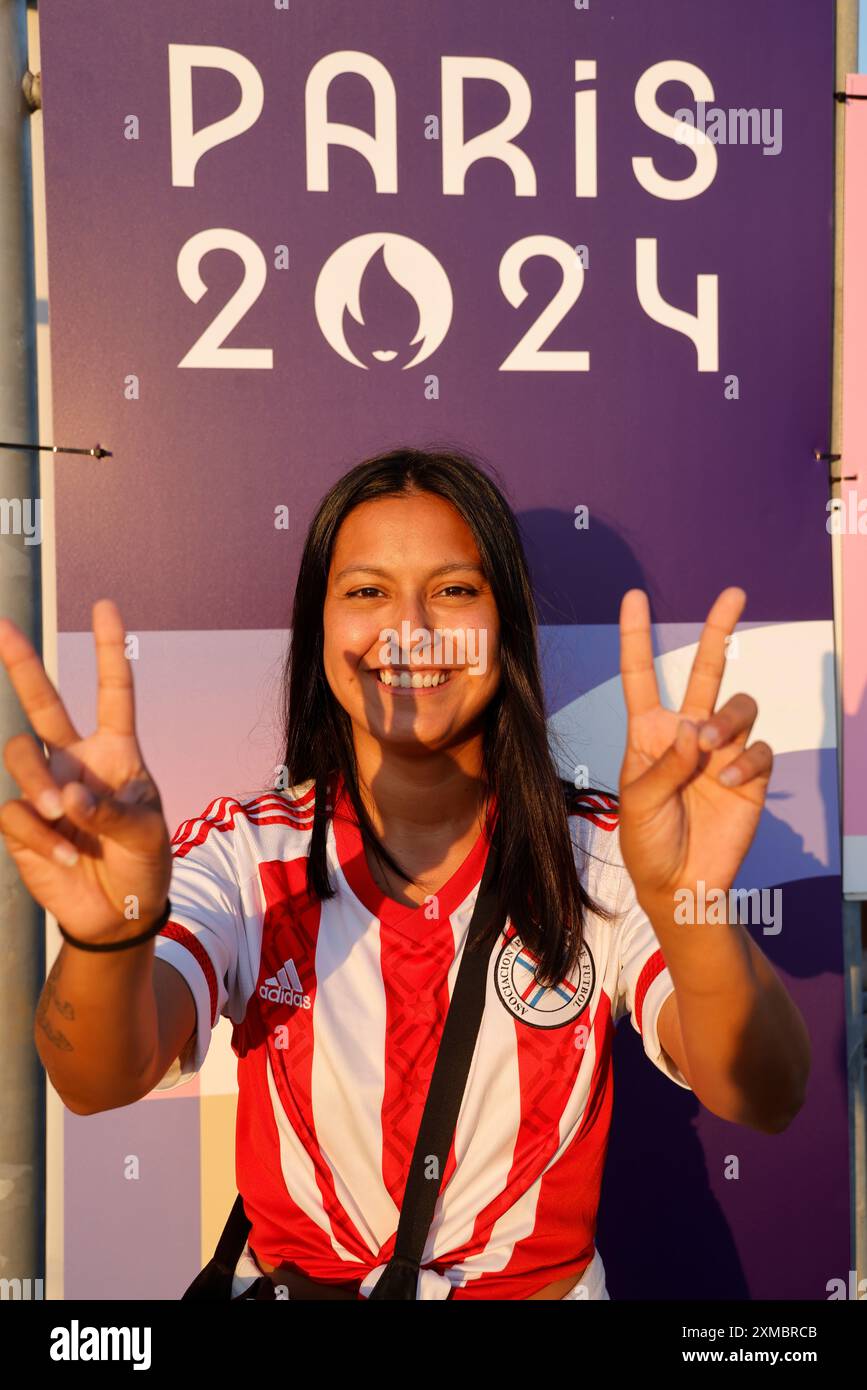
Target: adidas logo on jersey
285,987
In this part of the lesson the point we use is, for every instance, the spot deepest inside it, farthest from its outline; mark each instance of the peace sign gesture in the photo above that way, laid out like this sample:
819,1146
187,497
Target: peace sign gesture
691,791
88,835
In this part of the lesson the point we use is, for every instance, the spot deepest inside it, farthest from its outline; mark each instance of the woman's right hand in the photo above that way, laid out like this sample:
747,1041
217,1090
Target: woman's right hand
89,799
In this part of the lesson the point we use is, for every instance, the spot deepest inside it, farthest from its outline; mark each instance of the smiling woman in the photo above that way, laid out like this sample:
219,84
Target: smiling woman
414,531
413,541
422,888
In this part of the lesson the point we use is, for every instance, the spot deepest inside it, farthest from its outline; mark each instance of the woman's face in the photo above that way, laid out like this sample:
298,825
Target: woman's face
411,627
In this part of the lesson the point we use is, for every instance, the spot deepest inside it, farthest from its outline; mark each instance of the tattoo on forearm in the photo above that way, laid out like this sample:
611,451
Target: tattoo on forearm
54,1035
50,995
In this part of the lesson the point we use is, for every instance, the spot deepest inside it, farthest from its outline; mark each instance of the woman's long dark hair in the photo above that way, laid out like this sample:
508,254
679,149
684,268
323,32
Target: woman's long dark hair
539,886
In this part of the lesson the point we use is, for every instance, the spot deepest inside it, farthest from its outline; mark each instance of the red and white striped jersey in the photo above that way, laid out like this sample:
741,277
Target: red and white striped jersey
338,1007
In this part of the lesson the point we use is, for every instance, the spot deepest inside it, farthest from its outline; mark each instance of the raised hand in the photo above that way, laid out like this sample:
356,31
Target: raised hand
691,790
88,834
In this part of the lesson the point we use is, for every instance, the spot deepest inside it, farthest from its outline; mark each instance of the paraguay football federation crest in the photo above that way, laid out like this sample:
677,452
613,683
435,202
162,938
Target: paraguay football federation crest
541,1006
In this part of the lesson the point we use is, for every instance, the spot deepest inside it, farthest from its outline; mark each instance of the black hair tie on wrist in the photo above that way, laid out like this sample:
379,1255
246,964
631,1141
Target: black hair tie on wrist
121,945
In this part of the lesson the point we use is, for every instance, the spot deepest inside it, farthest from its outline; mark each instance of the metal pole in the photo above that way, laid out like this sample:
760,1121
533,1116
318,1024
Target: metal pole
22,968
853,972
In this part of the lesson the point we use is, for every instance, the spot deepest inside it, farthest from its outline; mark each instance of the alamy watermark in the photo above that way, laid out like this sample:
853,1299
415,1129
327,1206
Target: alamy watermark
77,1343
22,516
22,1290
847,516
738,125
714,906
439,646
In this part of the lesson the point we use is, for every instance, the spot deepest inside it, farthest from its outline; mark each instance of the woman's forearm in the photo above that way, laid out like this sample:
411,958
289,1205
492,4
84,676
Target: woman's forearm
96,1026
745,1039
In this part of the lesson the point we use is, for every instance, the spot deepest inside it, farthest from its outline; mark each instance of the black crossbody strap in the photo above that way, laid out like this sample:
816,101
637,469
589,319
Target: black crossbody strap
234,1237
399,1279
215,1280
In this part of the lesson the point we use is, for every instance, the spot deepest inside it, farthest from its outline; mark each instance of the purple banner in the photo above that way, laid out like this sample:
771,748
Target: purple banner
282,238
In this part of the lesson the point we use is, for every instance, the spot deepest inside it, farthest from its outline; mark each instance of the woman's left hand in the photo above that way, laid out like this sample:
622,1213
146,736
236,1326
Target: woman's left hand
679,821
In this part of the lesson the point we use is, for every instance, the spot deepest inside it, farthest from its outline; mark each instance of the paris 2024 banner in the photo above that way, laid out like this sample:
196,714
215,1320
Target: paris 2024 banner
590,242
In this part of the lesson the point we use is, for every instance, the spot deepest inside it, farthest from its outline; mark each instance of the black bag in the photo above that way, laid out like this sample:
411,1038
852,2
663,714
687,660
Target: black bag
399,1279
215,1280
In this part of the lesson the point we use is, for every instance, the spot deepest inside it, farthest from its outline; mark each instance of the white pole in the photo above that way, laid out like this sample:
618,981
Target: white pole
847,61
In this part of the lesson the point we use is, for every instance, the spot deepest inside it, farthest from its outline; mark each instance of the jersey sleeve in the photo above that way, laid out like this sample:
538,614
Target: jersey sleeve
643,979
205,934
